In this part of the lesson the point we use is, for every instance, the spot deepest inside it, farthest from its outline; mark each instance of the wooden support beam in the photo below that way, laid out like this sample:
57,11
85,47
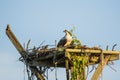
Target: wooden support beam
67,68
100,67
37,73
15,42
84,76
67,65
93,51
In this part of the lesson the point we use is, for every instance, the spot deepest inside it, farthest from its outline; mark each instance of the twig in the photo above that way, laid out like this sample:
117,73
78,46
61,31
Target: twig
114,47
112,68
40,45
27,45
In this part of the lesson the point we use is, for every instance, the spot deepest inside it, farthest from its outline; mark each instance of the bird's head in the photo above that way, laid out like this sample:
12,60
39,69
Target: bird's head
66,31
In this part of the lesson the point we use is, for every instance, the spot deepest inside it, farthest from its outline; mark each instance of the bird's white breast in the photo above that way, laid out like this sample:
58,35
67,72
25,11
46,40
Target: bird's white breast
69,39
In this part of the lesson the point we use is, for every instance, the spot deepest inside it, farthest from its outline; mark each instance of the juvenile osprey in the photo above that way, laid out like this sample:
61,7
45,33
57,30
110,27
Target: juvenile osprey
66,40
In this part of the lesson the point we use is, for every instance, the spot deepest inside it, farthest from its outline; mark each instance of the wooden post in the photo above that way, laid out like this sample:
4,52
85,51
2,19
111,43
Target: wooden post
100,67
15,42
67,65
84,76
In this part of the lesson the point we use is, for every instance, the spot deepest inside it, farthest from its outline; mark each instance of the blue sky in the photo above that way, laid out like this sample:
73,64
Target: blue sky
97,23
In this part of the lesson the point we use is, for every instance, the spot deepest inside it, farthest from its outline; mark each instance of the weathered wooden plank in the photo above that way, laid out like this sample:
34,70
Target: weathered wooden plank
114,57
93,51
15,42
100,67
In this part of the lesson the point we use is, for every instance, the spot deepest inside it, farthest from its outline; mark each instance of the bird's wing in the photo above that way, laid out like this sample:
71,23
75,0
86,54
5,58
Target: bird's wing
62,42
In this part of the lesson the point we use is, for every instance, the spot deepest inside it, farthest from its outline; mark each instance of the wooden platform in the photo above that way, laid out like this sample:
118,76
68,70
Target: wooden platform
50,56
61,57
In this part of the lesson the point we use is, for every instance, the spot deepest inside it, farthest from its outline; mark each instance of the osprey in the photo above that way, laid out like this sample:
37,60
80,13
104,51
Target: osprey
66,40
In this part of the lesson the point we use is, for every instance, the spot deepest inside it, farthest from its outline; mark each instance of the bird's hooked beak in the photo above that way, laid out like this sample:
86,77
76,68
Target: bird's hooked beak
65,31
68,32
